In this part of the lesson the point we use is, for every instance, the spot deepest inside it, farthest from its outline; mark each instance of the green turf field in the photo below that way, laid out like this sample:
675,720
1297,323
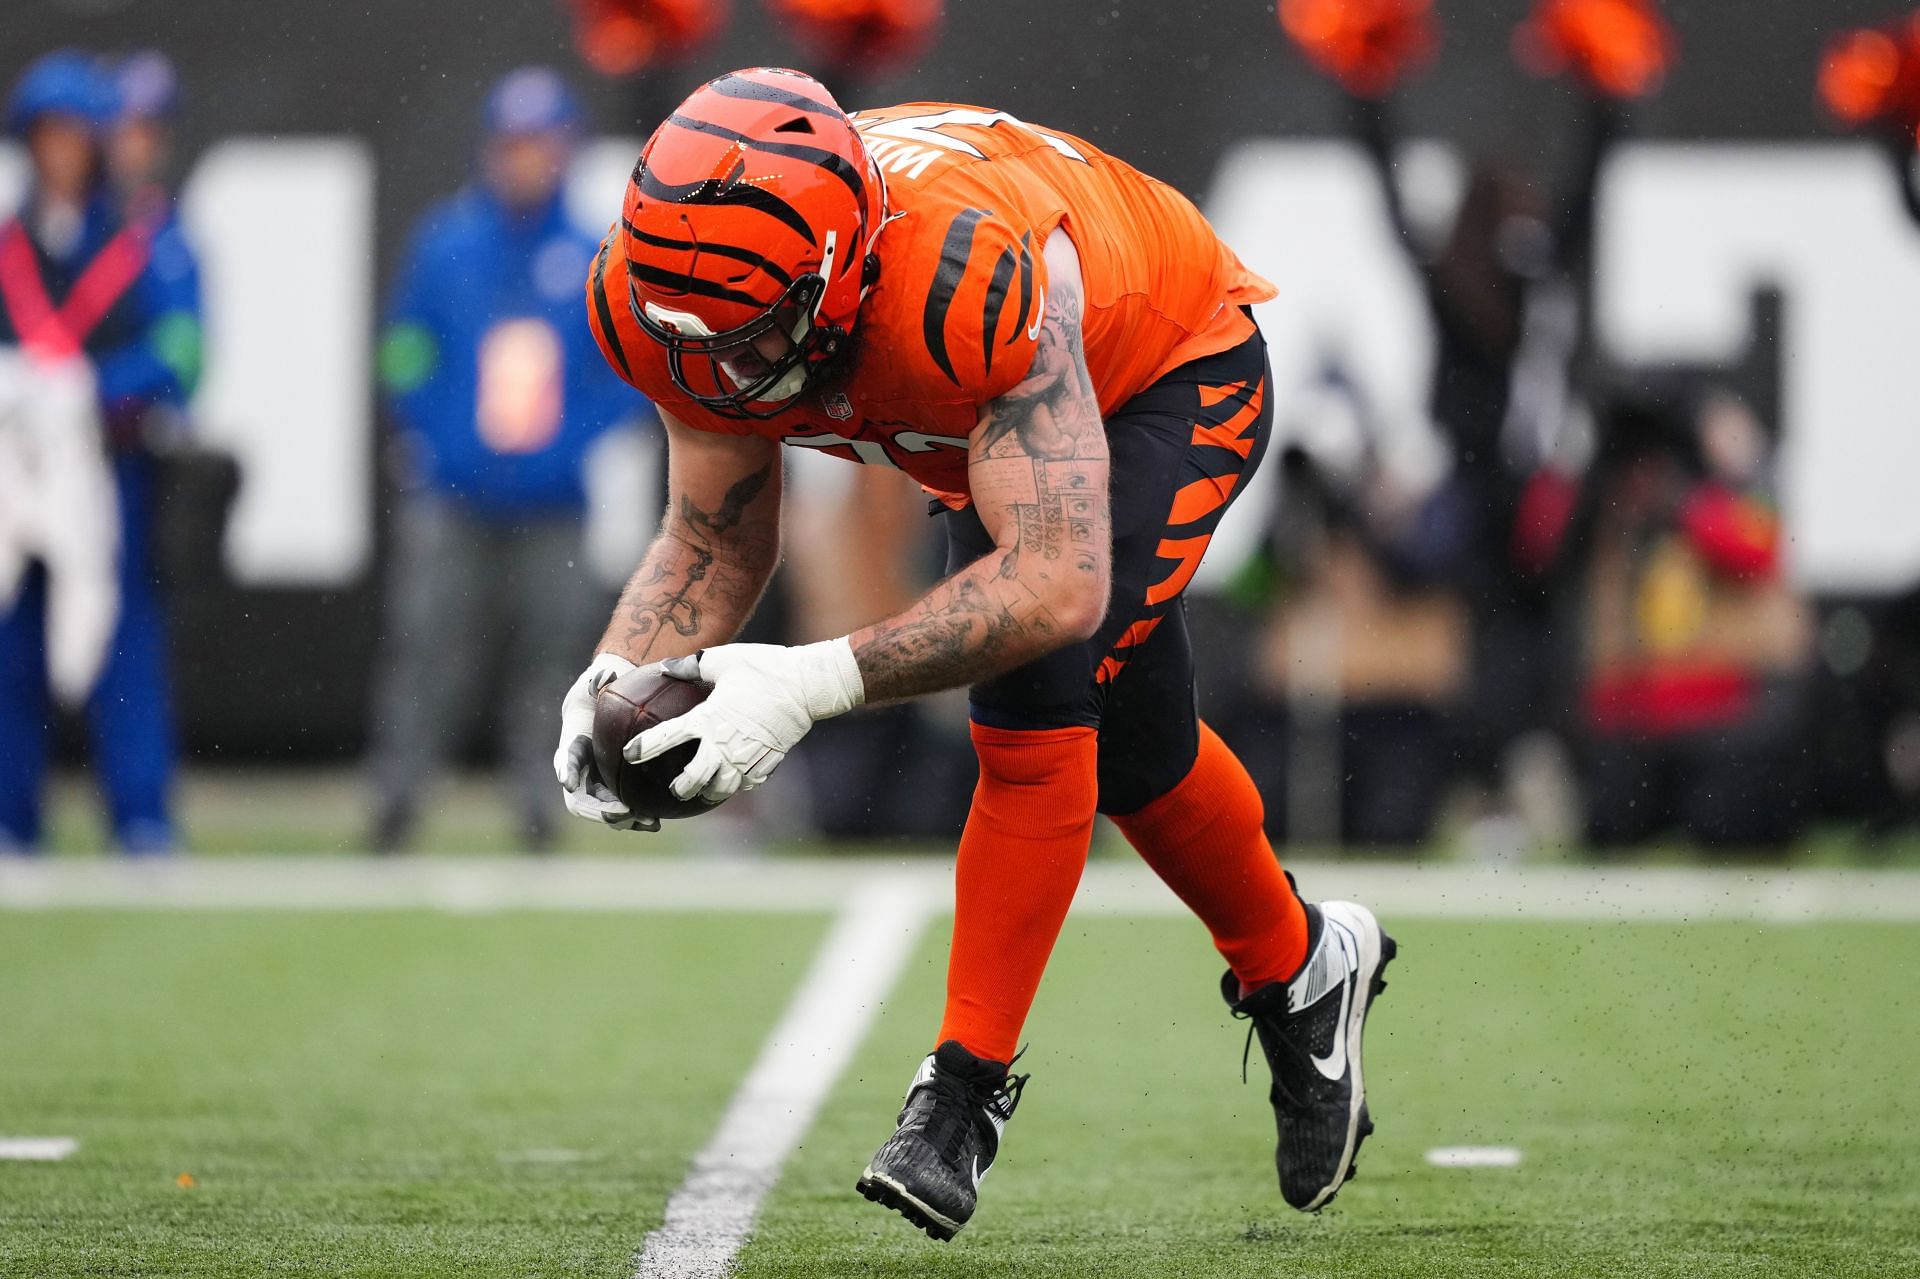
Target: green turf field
398,1095
409,1094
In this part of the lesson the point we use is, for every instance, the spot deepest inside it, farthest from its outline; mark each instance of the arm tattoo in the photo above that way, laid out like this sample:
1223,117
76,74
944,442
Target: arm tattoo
1042,411
1038,470
700,578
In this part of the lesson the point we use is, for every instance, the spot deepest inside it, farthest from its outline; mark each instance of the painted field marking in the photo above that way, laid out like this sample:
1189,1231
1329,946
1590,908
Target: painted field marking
552,1155
1124,887
1474,1156
37,1149
710,1216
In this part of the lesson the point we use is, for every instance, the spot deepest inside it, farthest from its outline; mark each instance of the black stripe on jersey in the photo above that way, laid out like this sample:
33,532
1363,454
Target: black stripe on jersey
729,86
605,312
727,190
827,160
955,251
673,281
1026,284
996,302
747,256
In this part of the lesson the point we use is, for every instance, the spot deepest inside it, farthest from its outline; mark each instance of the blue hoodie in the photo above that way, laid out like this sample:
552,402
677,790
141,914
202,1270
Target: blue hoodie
493,374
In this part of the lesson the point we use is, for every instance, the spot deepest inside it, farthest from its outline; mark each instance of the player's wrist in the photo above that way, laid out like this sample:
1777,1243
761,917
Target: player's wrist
834,684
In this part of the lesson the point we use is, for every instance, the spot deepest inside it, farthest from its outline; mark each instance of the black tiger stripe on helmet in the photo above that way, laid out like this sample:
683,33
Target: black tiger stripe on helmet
754,198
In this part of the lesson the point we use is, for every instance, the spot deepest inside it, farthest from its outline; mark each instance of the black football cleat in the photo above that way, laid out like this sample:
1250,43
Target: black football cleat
1310,1030
956,1111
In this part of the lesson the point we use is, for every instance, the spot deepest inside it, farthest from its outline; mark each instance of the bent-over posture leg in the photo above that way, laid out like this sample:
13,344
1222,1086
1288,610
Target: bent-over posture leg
1304,975
1020,861
1188,807
1111,723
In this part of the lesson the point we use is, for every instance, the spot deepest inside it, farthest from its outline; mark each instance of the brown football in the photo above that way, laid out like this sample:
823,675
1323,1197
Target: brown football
630,705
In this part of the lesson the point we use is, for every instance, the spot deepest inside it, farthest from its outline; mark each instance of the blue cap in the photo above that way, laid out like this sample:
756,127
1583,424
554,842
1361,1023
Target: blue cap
149,86
66,82
532,100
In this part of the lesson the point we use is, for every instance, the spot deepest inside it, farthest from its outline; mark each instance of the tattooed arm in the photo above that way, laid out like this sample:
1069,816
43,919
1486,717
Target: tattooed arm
718,544
1038,471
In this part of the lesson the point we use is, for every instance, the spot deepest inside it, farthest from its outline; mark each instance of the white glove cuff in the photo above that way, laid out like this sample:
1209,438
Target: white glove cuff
831,677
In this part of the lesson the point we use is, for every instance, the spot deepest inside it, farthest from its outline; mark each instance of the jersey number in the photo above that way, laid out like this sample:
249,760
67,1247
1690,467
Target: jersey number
925,130
874,453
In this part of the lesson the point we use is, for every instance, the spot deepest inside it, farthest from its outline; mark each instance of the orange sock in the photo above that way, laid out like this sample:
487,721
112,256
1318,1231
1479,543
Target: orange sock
1020,862
1205,839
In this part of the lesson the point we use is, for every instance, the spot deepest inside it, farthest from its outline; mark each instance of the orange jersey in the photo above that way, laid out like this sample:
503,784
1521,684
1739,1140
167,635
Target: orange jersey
953,320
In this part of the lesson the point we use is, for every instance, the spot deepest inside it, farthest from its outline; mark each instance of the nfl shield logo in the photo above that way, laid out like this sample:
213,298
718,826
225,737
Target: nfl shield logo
839,407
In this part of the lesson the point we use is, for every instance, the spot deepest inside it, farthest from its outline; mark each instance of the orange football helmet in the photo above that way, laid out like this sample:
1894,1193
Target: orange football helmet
748,230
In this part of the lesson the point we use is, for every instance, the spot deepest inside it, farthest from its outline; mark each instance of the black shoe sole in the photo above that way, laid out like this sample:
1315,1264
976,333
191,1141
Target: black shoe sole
888,1195
1388,949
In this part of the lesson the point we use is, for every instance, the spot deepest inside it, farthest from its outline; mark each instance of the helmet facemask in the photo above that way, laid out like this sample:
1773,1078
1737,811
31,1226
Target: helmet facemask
755,369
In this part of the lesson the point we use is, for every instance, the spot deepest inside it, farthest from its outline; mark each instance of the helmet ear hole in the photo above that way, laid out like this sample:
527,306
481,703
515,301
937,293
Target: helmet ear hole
799,124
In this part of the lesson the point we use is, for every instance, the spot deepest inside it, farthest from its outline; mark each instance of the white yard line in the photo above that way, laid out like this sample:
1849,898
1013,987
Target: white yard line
710,1215
1474,1156
1403,890
37,1149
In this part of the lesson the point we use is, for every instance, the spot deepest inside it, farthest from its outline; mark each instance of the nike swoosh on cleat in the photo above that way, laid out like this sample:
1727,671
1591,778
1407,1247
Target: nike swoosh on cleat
1334,1065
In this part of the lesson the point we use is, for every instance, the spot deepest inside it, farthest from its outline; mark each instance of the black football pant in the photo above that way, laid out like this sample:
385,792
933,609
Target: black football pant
1181,451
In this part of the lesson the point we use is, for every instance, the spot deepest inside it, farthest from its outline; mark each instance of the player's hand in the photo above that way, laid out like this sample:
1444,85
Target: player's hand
586,792
765,698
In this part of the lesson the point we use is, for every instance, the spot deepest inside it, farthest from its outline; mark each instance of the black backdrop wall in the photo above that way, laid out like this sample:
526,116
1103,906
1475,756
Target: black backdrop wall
1164,85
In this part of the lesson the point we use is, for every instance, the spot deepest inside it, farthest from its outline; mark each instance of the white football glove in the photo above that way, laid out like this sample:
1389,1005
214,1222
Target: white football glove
587,793
765,697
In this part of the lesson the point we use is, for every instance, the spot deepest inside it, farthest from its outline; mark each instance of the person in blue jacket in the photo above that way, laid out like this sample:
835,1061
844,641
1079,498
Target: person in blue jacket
497,393
139,146
79,271
138,150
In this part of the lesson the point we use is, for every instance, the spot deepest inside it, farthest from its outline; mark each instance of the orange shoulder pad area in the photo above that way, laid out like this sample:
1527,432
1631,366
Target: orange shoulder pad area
961,296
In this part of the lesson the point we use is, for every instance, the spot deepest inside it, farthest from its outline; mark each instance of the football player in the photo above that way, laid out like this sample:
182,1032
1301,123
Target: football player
1061,351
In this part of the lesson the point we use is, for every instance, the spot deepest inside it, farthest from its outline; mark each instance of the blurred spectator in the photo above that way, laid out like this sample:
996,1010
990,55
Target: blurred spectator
1694,652
1509,289
140,145
192,485
105,302
498,394
1508,285
1344,715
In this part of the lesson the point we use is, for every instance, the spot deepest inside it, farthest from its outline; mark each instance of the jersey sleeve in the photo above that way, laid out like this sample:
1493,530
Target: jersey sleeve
985,296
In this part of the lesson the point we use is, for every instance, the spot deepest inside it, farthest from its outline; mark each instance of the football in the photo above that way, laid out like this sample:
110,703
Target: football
632,704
